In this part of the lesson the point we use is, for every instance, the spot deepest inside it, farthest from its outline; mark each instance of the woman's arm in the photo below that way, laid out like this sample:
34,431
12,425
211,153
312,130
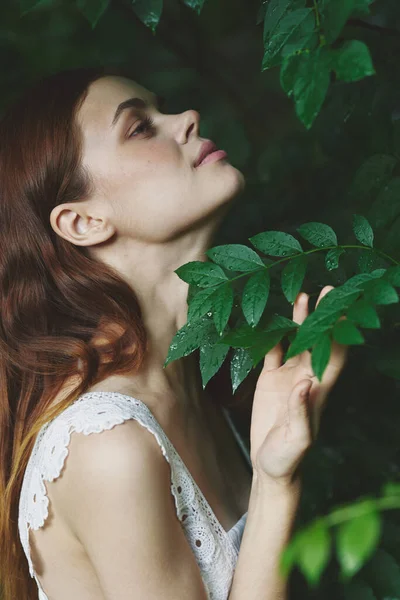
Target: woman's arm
286,412
115,496
272,509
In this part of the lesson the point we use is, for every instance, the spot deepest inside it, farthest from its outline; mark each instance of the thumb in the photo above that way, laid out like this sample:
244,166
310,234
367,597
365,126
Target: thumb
299,407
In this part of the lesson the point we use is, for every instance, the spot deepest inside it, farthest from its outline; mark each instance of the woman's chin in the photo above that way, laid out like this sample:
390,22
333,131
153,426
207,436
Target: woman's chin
240,181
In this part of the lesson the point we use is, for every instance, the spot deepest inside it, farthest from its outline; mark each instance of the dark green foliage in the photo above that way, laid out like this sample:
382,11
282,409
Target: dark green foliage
317,135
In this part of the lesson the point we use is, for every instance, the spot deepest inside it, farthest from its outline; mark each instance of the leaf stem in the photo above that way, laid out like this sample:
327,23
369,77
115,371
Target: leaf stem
322,39
317,19
277,262
341,515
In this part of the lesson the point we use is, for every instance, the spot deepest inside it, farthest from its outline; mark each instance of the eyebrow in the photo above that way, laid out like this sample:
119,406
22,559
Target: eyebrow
138,104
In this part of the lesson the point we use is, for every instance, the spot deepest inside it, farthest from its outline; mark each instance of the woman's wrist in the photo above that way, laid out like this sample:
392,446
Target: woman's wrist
264,485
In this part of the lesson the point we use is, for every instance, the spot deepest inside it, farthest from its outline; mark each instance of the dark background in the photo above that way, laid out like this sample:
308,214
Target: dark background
347,162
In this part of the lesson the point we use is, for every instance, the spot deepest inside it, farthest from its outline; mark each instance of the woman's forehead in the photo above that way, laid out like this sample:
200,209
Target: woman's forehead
103,97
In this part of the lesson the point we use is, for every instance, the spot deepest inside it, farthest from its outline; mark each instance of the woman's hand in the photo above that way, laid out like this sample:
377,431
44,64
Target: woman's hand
283,421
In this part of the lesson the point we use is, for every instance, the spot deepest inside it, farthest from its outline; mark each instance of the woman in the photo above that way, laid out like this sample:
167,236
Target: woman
101,200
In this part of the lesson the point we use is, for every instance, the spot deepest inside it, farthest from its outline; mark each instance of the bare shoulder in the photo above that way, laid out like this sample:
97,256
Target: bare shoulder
127,452
115,494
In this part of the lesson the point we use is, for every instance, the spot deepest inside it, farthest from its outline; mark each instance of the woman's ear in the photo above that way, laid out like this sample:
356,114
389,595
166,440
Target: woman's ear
79,228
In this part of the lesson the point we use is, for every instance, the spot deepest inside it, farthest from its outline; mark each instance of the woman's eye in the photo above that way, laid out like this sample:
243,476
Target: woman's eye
146,123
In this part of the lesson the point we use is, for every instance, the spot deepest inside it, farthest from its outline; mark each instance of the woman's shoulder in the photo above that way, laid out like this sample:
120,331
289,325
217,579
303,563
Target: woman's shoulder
96,444
117,420
106,458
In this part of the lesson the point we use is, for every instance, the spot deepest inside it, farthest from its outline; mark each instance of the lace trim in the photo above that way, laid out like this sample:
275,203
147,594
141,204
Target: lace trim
215,549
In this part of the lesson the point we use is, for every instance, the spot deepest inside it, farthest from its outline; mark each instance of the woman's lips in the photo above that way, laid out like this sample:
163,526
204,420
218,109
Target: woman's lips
212,157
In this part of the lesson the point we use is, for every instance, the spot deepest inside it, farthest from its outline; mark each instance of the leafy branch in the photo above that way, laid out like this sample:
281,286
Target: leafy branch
356,529
301,39
299,35
212,295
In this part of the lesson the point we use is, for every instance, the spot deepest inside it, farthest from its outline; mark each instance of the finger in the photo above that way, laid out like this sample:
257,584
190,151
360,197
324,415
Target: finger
305,357
273,358
300,308
324,292
300,422
335,365
300,313
338,354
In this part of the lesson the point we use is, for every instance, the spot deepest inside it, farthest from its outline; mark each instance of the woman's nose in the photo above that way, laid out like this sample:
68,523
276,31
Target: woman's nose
191,121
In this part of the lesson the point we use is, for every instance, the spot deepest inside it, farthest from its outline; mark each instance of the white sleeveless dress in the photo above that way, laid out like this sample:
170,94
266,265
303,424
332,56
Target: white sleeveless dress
216,550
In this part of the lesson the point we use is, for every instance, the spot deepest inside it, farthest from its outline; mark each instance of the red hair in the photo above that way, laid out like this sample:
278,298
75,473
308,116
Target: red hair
54,297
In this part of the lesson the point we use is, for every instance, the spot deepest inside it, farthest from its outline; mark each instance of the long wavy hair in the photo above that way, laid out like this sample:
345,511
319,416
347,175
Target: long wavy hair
54,297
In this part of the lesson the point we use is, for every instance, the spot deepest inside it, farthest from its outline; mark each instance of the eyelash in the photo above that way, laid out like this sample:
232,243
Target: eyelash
146,123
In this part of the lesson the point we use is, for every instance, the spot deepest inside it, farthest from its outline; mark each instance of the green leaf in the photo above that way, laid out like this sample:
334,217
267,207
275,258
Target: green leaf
335,14
320,355
293,276
222,306
92,9
358,590
201,303
290,555
361,8
311,83
384,210
383,574
288,73
196,5
339,298
255,296
235,257
27,6
374,172
268,341
243,336
203,274
367,261
189,337
274,11
389,363
356,539
360,280
274,42
393,275
352,61
332,258
241,365
304,36
314,552
148,11
318,234
280,322
378,272
345,332
364,315
380,291
211,358
328,311
391,488
276,243
363,230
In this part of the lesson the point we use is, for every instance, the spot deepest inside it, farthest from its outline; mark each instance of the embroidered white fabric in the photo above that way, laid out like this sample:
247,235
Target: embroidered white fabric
216,551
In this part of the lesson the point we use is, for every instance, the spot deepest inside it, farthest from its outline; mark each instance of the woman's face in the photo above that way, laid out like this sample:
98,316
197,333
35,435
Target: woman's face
144,175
